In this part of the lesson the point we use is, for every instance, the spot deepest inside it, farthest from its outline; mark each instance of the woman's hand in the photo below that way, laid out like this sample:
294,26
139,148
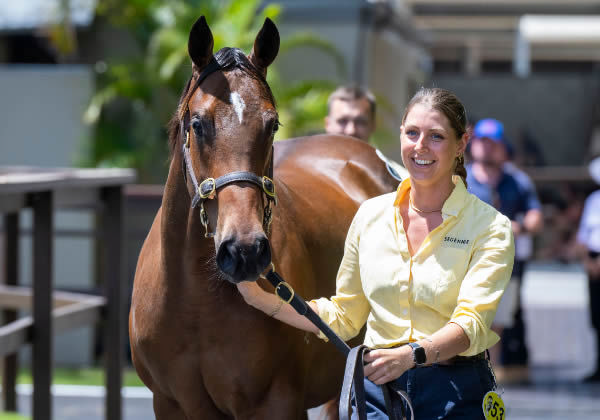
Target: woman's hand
385,365
250,291
271,305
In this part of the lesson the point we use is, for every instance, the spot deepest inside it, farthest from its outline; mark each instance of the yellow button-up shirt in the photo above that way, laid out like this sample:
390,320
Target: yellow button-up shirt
458,274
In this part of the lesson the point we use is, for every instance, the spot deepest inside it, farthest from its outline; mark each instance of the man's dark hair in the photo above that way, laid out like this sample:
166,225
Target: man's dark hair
352,93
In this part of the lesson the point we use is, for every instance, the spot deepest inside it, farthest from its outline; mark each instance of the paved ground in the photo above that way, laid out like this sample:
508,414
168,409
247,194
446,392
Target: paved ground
559,340
572,401
90,408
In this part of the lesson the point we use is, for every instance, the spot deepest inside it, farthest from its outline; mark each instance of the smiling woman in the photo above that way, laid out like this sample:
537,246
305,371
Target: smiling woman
424,268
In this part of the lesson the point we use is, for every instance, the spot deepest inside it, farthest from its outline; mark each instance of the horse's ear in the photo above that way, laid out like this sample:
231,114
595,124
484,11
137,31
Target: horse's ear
266,46
200,44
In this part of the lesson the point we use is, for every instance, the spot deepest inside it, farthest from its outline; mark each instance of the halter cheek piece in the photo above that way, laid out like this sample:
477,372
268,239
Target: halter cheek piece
207,189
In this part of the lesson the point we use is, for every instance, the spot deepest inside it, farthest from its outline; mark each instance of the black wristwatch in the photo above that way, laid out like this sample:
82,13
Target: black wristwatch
418,352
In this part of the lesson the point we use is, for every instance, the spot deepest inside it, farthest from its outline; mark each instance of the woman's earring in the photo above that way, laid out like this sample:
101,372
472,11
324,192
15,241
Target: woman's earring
460,159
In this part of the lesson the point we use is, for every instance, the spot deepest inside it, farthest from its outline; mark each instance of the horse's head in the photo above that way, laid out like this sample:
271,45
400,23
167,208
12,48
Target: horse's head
227,120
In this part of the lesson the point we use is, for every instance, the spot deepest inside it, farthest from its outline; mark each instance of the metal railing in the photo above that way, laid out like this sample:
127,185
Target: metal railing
44,190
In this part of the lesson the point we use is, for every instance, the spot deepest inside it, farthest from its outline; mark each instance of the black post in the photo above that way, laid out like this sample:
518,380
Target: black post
11,277
42,304
116,289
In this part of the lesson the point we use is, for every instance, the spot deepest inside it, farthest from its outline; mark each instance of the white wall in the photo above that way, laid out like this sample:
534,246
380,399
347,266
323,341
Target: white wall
395,70
40,125
40,113
392,67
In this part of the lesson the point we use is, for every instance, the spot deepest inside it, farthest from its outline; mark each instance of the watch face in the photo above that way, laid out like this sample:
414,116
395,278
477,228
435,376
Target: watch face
420,356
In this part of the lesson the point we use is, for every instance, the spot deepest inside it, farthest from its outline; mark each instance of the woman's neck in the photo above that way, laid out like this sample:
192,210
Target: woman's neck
430,198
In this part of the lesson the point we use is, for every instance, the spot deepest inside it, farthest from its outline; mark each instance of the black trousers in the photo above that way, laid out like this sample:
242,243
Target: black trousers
514,348
594,289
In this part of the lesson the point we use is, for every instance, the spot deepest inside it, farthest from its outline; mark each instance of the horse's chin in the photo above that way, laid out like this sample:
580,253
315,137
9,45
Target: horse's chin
239,280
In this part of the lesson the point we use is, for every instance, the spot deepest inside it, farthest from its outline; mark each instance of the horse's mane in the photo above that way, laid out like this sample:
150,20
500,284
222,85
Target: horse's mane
226,59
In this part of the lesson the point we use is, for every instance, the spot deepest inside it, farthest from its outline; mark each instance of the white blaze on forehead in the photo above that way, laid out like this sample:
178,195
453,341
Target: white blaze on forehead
238,105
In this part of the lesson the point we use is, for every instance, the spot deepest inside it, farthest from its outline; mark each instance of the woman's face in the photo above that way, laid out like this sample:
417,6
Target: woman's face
429,146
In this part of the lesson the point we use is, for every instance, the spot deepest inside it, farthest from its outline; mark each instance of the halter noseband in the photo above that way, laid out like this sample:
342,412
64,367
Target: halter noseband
207,189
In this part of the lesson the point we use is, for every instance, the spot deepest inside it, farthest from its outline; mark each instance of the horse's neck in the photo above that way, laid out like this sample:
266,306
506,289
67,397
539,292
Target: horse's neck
184,247
176,205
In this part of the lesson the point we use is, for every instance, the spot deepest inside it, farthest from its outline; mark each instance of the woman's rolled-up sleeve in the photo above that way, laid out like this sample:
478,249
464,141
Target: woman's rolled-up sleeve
347,311
488,275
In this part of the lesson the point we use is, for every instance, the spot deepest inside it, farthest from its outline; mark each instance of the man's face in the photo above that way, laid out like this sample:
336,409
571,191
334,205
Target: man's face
350,118
487,151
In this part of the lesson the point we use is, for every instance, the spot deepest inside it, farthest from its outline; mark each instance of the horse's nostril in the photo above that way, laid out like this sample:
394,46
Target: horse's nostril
263,254
260,246
227,257
243,262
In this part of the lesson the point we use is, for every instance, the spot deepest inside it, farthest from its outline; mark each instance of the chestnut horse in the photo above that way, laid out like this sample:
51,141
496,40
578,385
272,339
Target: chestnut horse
203,352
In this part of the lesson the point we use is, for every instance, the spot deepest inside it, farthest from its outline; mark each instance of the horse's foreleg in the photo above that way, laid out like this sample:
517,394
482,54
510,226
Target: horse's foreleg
166,408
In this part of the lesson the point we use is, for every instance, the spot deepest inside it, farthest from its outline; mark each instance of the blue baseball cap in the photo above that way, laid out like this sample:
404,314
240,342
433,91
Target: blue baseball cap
491,129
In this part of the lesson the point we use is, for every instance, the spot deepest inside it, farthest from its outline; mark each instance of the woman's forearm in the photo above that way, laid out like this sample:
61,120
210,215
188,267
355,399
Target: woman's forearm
384,365
271,305
445,343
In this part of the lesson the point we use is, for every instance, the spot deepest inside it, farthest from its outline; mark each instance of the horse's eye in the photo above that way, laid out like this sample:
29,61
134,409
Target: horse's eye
197,127
276,127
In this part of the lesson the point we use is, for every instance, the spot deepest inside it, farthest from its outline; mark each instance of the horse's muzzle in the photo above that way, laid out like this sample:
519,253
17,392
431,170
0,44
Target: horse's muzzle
243,261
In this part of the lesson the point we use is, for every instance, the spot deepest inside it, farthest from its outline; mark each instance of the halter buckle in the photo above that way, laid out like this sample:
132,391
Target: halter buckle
270,268
269,187
290,291
207,189
187,140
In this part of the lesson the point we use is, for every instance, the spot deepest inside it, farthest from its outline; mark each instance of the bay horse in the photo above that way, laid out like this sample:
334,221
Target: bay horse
201,350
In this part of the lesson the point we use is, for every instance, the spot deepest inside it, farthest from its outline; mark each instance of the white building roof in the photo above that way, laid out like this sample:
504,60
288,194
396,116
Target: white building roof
31,14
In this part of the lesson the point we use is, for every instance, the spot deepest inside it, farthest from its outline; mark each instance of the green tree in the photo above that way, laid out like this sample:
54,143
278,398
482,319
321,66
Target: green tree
135,99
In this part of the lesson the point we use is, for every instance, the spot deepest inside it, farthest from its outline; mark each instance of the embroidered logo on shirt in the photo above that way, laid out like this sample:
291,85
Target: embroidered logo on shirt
451,241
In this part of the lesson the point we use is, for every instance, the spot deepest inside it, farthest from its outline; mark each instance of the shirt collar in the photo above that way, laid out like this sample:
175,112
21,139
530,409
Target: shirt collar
453,204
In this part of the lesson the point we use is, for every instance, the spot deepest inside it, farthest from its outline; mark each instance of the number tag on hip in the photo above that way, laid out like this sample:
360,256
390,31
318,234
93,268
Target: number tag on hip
493,407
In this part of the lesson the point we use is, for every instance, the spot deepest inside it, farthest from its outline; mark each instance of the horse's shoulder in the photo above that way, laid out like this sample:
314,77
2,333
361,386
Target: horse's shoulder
378,204
322,145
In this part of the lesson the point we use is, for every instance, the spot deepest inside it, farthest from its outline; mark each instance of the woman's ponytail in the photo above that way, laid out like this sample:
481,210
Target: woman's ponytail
460,169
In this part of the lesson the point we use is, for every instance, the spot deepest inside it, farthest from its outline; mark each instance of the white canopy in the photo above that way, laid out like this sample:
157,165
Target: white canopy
30,14
556,29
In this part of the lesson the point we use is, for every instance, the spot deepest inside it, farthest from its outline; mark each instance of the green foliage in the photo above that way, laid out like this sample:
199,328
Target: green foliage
80,376
135,99
12,416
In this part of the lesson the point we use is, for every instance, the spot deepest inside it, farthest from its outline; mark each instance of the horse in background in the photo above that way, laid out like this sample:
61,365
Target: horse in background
201,350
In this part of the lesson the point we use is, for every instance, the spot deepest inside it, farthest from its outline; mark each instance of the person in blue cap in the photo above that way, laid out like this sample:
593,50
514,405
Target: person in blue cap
495,180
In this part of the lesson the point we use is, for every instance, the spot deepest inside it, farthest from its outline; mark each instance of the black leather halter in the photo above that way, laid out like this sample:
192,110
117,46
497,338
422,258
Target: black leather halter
207,189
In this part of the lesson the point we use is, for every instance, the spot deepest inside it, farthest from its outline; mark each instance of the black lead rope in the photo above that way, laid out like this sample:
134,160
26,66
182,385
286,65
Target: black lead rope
354,373
287,294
